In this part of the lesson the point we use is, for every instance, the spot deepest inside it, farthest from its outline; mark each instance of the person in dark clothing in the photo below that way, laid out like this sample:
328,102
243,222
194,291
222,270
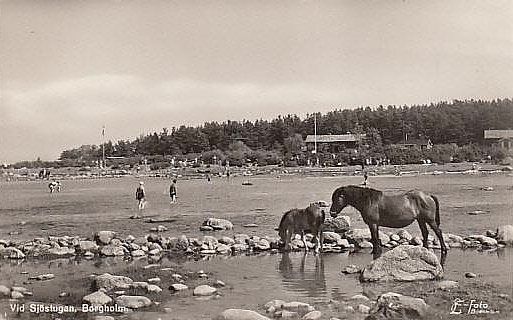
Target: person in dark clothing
140,196
172,191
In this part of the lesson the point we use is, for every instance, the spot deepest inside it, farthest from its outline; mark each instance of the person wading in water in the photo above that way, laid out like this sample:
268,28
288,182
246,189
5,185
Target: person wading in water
140,197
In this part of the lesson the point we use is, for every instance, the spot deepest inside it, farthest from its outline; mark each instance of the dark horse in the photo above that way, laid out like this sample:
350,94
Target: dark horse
395,211
299,221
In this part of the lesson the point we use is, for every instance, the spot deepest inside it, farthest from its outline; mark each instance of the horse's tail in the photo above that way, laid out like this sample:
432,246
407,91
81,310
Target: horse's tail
282,229
437,214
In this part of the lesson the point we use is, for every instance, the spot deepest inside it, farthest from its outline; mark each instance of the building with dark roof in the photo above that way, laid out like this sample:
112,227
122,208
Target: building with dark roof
499,138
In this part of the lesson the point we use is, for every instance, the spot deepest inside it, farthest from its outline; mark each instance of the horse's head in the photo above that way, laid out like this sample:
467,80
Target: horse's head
338,202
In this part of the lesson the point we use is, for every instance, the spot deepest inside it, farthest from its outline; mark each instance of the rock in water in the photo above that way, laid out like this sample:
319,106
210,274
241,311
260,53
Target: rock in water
392,305
218,224
133,302
404,263
505,234
240,314
109,282
204,290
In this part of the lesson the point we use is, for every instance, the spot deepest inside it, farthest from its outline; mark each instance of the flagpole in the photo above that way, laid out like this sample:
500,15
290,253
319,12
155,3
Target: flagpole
103,147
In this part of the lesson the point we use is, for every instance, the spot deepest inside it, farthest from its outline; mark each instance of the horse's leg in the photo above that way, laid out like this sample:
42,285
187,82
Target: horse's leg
376,243
438,233
288,234
304,239
424,231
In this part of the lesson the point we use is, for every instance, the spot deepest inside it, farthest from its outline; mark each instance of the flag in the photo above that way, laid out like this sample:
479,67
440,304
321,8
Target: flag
103,131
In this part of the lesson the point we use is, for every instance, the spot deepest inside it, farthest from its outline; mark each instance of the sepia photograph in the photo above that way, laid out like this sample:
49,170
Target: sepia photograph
256,159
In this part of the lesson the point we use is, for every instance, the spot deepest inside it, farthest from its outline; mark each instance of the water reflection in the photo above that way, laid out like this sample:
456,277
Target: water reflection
305,274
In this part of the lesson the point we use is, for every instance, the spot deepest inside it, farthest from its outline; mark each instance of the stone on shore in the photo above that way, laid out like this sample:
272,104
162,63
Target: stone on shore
178,287
104,237
339,224
4,291
61,251
87,245
312,315
11,253
133,302
240,314
403,263
111,251
204,290
359,235
109,282
97,298
392,305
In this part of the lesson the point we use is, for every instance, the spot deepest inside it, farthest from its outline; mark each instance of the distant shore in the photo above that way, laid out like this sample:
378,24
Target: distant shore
31,174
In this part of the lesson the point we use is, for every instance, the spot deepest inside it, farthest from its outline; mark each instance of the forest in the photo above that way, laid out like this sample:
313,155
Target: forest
455,128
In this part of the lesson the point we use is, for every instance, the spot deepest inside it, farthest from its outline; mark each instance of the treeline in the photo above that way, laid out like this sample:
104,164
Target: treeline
456,123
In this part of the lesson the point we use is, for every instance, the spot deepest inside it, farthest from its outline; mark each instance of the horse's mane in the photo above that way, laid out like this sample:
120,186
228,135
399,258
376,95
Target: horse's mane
361,192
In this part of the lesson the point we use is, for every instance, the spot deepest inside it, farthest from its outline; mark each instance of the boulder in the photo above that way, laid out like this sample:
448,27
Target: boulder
104,237
404,263
152,288
97,298
206,228
111,251
4,291
446,285
339,224
392,305
42,277
331,237
204,290
350,269
262,245
505,234
218,224
178,287
484,240
88,246
109,282
11,253
226,240
138,253
103,318
359,235
133,302
223,248
312,315
296,306
240,314
61,251
404,235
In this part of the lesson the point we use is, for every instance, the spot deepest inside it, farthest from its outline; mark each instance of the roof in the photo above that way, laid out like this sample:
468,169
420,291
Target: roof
498,134
334,137
420,141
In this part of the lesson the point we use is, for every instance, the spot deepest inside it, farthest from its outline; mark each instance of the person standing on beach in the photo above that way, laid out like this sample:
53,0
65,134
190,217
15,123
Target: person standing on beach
140,197
172,191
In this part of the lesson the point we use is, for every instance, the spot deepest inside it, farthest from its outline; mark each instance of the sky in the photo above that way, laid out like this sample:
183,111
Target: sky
67,68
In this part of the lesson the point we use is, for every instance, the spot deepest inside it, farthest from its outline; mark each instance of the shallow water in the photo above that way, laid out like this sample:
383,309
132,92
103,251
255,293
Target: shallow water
251,280
86,206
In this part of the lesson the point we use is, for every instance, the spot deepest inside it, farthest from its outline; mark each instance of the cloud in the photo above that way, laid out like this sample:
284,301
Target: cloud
60,115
